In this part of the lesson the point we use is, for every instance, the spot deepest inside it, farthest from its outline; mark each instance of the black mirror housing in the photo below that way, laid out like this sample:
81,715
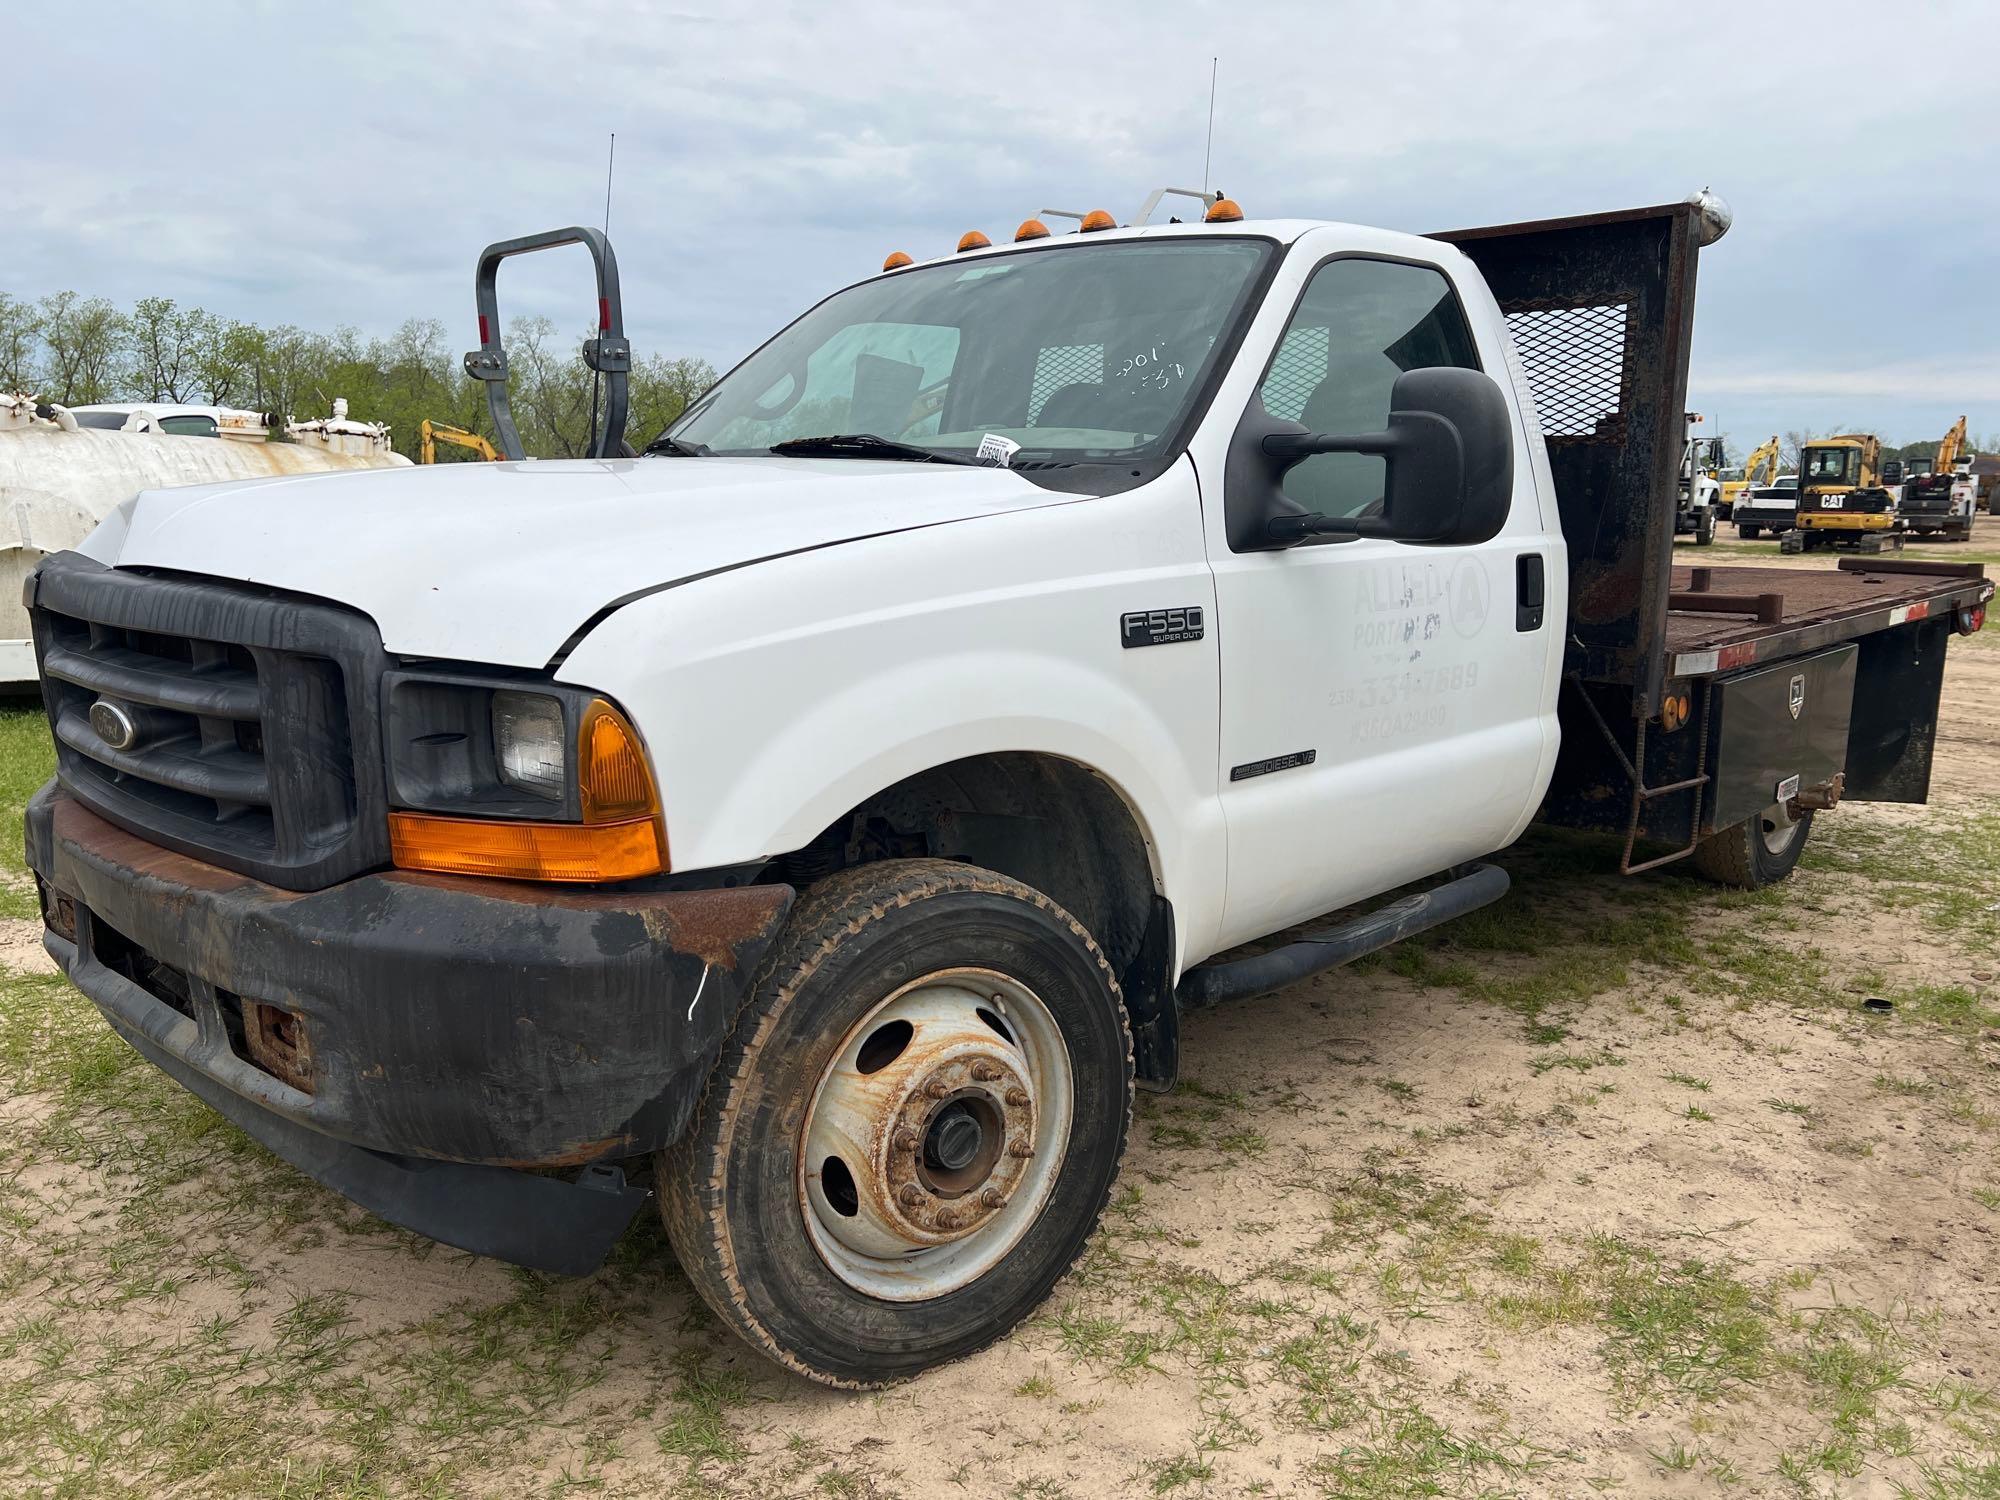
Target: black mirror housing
1450,451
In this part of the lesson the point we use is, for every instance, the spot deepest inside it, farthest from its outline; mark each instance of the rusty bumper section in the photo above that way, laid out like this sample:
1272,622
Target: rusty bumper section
409,1039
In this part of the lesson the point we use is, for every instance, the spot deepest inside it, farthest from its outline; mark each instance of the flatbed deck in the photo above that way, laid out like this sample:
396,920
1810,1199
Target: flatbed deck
1721,618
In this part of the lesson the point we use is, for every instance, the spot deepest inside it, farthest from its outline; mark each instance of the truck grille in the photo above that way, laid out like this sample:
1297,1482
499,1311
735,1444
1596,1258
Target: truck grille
232,724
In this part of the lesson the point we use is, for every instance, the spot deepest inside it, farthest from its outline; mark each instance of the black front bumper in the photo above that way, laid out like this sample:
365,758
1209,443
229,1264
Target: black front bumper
450,1032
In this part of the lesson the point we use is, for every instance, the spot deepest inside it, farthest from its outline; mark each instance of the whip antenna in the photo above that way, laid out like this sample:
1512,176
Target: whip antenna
1208,145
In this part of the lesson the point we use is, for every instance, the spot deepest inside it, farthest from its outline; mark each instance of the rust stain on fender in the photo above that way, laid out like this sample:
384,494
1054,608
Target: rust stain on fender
712,925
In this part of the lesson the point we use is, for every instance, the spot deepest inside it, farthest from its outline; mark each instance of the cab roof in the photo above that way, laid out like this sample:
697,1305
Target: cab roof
1283,231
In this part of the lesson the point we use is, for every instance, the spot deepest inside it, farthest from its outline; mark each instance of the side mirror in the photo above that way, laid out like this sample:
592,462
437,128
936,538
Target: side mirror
1449,447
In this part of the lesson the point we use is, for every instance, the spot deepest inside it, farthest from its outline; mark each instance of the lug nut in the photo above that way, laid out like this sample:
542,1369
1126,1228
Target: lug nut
904,1139
910,1195
1017,1098
936,1088
946,1219
992,1198
1021,1150
984,1071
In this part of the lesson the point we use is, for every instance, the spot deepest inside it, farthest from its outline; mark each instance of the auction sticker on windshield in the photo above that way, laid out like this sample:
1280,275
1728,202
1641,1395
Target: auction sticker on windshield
997,450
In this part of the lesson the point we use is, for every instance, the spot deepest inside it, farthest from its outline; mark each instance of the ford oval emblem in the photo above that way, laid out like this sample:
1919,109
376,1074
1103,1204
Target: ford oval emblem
113,723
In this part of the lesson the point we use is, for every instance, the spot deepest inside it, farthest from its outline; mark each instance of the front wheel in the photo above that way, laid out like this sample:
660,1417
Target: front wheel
913,1128
1759,852
1704,528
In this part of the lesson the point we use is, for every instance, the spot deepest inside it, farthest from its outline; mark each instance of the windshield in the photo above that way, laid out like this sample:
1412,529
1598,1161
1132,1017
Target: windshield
1076,353
1830,465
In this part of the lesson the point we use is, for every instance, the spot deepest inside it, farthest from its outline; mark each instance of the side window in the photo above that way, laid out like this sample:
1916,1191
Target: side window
189,426
1360,324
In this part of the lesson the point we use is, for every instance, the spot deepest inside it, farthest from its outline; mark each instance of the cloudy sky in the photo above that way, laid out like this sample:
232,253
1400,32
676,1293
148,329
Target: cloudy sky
323,165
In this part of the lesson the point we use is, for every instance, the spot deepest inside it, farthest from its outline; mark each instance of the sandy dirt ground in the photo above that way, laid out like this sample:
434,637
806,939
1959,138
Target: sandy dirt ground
1628,1189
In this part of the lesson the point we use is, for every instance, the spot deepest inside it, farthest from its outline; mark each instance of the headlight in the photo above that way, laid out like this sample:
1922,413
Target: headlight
530,750
546,782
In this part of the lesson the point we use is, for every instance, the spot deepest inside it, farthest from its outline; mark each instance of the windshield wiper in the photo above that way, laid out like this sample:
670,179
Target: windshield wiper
679,447
863,445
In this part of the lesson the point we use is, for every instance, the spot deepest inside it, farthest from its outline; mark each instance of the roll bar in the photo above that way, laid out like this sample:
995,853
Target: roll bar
610,353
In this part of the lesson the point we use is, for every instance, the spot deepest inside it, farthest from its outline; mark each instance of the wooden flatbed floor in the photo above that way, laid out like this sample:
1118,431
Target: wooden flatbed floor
1724,617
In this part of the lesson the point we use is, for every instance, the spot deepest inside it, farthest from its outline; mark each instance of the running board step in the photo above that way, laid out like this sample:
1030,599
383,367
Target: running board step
1242,978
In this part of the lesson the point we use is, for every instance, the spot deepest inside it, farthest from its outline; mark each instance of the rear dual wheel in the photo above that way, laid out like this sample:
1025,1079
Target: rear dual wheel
913,1128
1759,852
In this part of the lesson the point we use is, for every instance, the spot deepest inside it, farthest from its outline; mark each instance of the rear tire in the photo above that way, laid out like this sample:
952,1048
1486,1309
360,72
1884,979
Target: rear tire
822,1203
1749,533
1758,852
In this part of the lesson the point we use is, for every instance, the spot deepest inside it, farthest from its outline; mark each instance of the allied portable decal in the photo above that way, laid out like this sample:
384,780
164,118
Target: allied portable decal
1160,627
1798,699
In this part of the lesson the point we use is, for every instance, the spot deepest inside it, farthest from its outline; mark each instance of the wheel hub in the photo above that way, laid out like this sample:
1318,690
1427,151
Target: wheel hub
935,1135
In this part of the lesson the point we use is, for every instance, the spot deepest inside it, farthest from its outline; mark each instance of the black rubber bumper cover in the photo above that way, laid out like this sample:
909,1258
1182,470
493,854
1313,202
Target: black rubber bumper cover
457,1031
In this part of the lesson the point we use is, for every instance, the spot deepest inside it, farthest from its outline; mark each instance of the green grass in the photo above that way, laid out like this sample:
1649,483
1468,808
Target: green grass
214,1325
27,759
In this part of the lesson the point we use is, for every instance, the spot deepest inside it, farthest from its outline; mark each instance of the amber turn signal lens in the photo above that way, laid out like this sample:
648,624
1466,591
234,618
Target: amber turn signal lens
527,851
972,239
1223,211
1097,219
896,261
1031,229
621,836
612,774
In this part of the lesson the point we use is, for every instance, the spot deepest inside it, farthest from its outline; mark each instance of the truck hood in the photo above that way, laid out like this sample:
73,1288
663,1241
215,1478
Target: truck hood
502,563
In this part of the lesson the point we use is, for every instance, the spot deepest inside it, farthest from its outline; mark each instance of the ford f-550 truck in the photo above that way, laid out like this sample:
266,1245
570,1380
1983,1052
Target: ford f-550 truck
839,806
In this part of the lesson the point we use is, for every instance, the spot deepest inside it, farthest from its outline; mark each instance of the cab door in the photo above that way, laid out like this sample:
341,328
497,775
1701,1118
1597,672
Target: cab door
1387,710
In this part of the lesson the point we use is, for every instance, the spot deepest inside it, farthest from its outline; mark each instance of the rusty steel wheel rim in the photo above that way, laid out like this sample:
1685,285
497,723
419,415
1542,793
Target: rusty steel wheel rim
934,1137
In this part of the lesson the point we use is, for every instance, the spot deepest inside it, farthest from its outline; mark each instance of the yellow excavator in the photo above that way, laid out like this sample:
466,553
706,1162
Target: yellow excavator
1940,501
1759,470
1842,499
430,434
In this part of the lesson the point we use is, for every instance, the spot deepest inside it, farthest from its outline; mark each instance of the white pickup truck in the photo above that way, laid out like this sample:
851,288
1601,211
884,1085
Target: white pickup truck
828,815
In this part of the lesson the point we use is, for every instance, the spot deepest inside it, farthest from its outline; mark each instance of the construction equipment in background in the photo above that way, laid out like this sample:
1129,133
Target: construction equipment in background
1760,471
1941,502
1842,500
1984,474
1700,493
430,434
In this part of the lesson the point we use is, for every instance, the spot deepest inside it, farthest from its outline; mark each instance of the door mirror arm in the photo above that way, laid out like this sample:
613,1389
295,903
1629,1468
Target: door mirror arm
1286,449
1448,450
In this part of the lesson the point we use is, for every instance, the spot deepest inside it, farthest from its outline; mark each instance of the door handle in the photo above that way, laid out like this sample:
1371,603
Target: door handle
1529,591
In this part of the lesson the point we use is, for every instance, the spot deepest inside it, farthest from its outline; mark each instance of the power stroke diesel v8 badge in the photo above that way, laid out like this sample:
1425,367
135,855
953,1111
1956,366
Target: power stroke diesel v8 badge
1160,627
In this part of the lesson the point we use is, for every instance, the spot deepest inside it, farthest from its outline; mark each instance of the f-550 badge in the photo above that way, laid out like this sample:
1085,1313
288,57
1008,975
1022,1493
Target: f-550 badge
1159,627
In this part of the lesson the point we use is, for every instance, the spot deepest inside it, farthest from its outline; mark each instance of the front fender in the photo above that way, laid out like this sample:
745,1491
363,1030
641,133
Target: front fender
772,703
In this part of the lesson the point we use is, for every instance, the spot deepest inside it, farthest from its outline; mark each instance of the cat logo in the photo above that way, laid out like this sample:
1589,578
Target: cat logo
1798,693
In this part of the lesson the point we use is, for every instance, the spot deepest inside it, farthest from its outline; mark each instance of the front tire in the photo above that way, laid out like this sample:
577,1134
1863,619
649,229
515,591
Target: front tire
1704,528
1758,852
912,1129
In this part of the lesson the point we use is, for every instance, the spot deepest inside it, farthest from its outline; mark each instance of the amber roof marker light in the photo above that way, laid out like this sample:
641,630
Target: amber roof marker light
896,261
972,239
1223,211
1031,229
1097,219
